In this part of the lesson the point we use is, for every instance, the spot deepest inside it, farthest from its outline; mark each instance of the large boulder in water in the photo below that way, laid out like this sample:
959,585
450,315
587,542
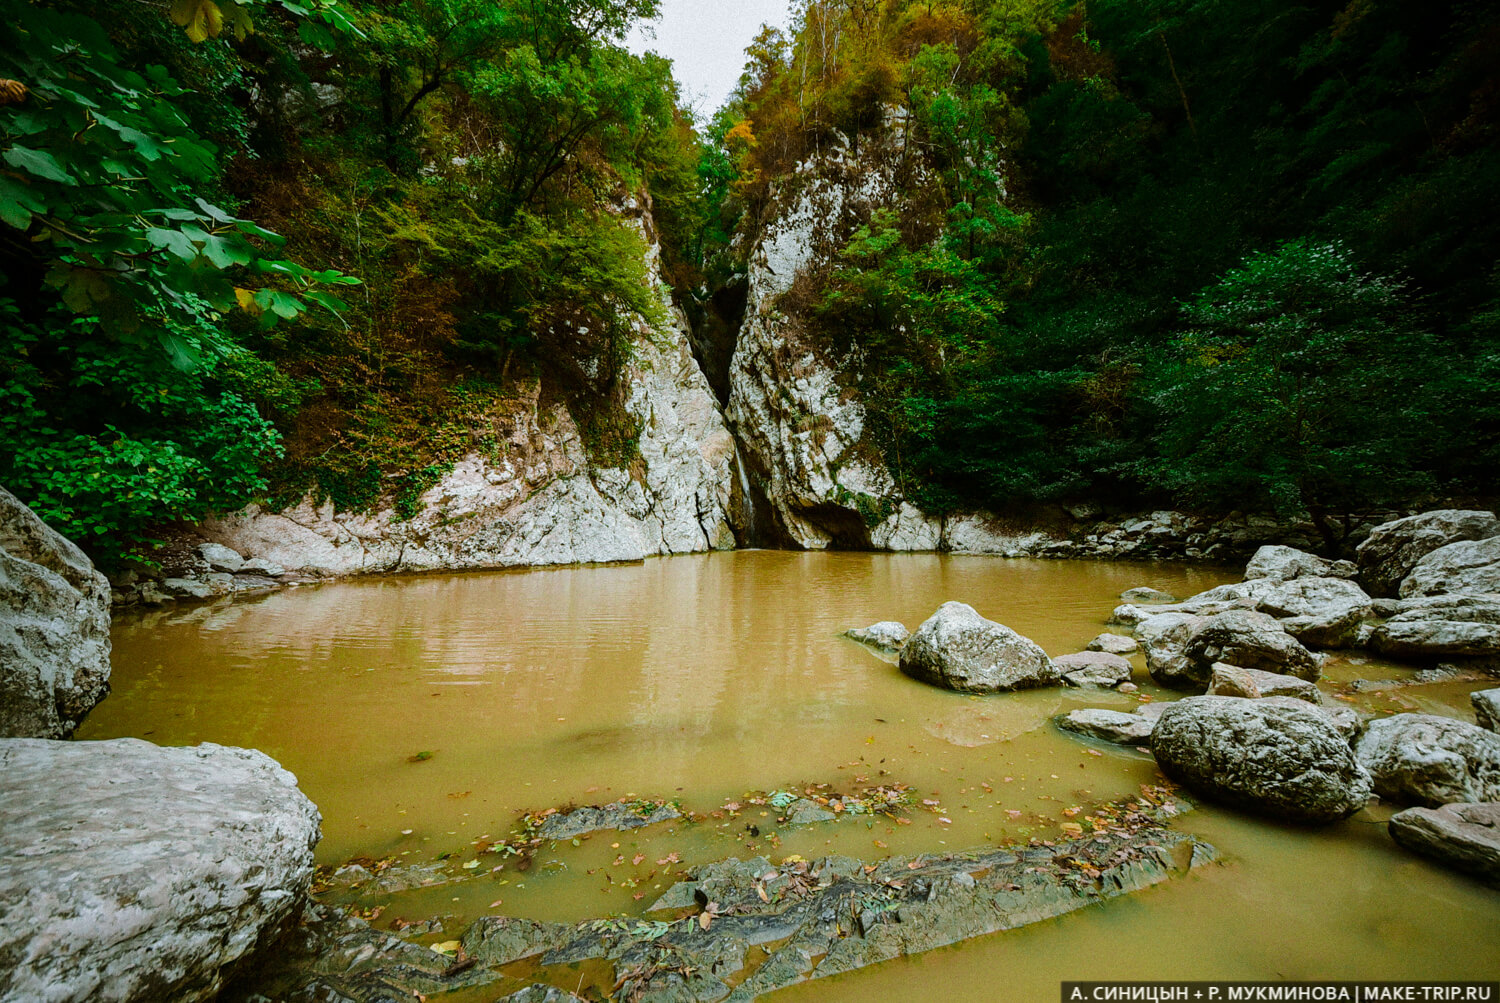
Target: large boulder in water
1283,564
139,873
1465,837
958,649
1423,759
1441,626
1393,548
1278,758
1471,567
54,628
1486,708
1183,654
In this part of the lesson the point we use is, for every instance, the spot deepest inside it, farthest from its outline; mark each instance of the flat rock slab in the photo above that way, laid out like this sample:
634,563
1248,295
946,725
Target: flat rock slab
134,872
1115,644
1441,626
1234,681
616,815
1109,725
1093,668
814,919
1466,837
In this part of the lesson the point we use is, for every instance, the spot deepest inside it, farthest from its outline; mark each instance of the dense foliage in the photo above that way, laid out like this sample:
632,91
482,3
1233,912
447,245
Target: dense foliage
1227,255
466,161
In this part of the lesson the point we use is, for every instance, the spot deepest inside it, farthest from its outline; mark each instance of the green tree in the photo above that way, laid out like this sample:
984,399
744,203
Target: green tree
1302,384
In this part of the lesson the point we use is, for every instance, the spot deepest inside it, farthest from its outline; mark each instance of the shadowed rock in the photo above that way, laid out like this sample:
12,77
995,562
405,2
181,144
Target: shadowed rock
54,628
1486,708
1465,837
1392,549
1441,626
1469,568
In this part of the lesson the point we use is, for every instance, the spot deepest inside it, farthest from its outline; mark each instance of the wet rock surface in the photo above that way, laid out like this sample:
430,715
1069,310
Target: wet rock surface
753,926
1110,725
1471,568
887,636
1441,626
1283,759
958,649
1280,563
1093,668
1423,759
616,815
54,628
1393,548
1183,653
1115,644
1465,837
134,872
1486,705
1234,681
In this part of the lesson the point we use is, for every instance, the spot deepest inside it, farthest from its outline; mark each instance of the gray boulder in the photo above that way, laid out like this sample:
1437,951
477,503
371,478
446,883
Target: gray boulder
1286,563
887,635
1427,760
1144,595
1183,655
1465,837
1235,681
220,558
1392,549
54,628
1345,720
138,873
1441,626
188,588
1282,759
1093,668
1109,725
1115,644
958,649
261,566
1486,708
1471,567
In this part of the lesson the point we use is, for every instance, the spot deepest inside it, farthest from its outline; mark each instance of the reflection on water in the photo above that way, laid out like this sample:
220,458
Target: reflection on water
704,677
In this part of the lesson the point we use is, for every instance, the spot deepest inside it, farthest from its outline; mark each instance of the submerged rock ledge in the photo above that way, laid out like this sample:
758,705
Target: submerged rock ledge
767,926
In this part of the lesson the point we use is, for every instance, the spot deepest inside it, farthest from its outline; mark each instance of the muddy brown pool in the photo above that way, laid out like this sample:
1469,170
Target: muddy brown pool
424,714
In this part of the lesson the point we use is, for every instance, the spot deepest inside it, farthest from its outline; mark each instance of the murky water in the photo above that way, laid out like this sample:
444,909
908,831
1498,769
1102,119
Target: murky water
425,714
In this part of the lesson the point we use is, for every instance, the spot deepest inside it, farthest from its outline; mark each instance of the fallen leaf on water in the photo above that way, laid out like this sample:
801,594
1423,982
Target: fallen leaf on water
636,860
671,858
420,757
460,794
446,947
880,843
471,865
948,821
638,896
705,919
618,861
495,904
1072,829
929,802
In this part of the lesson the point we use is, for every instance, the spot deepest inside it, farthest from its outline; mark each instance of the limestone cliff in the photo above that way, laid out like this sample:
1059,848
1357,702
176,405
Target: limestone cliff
538,498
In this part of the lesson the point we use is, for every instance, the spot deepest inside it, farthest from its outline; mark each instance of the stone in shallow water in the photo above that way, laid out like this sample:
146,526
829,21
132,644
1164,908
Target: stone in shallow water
1144,595
1441,626
134,872
887,635
566,825
1276,757
1466,837
1424,759
958,649
1115,644
1109,725
1234,681
1486,708
1093,668
1183,654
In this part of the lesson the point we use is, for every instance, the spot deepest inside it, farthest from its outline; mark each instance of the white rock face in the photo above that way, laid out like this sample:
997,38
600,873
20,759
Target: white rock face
1471,567
138,873
54,628
804,430
539,500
